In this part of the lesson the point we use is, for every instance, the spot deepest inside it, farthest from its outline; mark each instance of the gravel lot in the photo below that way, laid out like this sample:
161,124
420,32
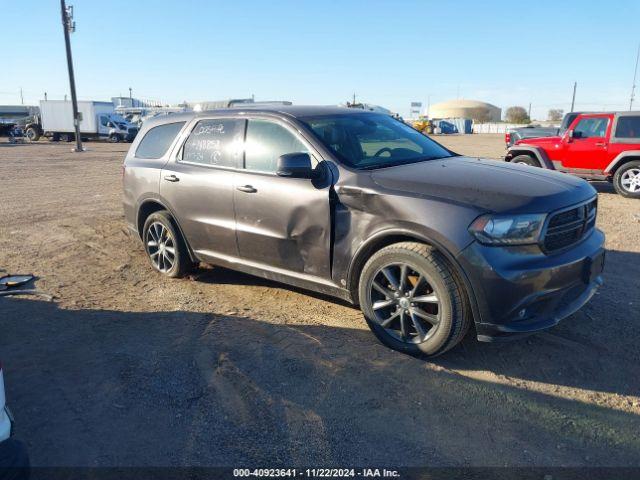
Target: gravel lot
127,368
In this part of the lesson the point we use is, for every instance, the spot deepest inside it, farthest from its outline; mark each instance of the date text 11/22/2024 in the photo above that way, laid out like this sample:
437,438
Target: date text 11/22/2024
316,473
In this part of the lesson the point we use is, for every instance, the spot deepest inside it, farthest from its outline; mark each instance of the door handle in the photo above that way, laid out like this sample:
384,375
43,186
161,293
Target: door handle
601,144
171,178
247,189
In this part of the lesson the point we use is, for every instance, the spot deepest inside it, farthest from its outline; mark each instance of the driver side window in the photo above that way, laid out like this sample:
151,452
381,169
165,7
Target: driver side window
265,142
104,121
591,127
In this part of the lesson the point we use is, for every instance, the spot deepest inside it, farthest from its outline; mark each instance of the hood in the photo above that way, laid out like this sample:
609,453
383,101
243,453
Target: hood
487,185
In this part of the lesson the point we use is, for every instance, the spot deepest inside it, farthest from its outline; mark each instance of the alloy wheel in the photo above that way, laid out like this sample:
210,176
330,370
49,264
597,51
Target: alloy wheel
161,247
630,180
405,303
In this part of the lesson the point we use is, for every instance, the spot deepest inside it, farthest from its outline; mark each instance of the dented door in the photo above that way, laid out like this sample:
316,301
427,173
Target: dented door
284,223
281,222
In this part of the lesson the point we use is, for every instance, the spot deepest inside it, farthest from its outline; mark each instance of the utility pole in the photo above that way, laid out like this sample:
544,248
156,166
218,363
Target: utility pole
22,98
354,98
529,114
573,100
45,96
68,25
130,96
635,74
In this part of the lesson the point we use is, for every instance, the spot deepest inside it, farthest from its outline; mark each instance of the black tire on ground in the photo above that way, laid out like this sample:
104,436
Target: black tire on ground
172,241
452,310
32,134
526,160
626,180
114,138
55,137
66,137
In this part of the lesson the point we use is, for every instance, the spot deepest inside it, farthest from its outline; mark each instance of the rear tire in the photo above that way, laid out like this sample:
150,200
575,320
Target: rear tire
626,180
426,298
164,245
526,160
114,138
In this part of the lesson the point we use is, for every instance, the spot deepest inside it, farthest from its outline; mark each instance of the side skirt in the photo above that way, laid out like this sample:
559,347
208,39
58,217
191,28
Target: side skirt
300,280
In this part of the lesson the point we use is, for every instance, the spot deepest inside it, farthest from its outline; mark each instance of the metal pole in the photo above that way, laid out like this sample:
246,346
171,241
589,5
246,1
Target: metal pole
573,100
130,97
635,74
22,97
529,114
66,26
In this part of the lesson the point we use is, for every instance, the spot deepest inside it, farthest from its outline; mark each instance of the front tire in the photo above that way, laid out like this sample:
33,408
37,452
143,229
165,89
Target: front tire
114,138
526,160
626,180
164,246
32,134
411,300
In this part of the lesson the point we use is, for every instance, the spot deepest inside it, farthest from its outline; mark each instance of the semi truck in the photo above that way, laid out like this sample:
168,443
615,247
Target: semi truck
97,120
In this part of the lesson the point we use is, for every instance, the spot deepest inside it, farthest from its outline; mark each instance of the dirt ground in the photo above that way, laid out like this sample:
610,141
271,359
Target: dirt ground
127,368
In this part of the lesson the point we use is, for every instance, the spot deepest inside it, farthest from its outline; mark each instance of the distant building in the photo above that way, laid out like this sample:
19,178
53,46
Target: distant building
477,111
127,102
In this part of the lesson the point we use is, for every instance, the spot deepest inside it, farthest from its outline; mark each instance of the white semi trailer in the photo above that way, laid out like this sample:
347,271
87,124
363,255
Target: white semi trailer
97,120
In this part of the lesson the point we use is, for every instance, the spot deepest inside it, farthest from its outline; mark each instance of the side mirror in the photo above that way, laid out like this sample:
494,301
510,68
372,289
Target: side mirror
110,125
295,165
569,136
576,134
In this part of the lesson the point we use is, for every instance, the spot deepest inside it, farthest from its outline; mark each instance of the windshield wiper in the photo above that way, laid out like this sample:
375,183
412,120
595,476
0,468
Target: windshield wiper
405,162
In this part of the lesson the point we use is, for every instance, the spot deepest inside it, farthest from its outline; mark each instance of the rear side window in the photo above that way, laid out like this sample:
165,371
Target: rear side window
158,140
628,127
216,142
266,141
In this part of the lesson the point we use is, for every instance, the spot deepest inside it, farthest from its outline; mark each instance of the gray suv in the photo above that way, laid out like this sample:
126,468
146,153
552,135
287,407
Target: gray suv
360,206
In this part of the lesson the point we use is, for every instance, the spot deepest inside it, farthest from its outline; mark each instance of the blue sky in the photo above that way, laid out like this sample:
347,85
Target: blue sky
387,52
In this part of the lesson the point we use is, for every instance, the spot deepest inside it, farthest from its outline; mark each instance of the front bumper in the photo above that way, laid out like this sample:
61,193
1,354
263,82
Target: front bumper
14,460
520,290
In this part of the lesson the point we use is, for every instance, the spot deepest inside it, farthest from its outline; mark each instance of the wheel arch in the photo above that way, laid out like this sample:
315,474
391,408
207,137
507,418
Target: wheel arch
622,159
532,151
153,205
389,237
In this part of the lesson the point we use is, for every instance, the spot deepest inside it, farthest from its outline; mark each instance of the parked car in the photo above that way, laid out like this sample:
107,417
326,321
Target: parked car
596,146
365,208
14,460
513,135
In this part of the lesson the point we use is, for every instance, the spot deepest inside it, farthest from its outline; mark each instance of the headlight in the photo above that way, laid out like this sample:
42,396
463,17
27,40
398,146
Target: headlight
507,229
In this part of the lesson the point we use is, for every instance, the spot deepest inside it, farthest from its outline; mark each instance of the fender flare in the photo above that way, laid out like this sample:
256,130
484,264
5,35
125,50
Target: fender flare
620,159
540,154
173,216
395,232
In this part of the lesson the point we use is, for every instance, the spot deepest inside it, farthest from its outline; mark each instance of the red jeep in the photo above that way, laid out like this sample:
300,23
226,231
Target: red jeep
596,146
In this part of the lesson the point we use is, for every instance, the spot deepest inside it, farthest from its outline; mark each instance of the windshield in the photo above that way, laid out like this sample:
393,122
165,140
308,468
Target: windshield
366,141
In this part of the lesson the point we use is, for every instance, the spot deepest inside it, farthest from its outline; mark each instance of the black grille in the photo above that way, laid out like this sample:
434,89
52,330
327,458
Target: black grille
568,227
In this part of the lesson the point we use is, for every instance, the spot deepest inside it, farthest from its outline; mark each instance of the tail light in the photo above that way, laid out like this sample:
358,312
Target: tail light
507,138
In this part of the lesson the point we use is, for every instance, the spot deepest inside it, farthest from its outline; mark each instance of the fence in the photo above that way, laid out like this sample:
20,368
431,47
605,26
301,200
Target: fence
494,127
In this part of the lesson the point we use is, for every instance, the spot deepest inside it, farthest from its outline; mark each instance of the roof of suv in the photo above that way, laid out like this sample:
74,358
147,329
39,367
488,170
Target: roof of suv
295,111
